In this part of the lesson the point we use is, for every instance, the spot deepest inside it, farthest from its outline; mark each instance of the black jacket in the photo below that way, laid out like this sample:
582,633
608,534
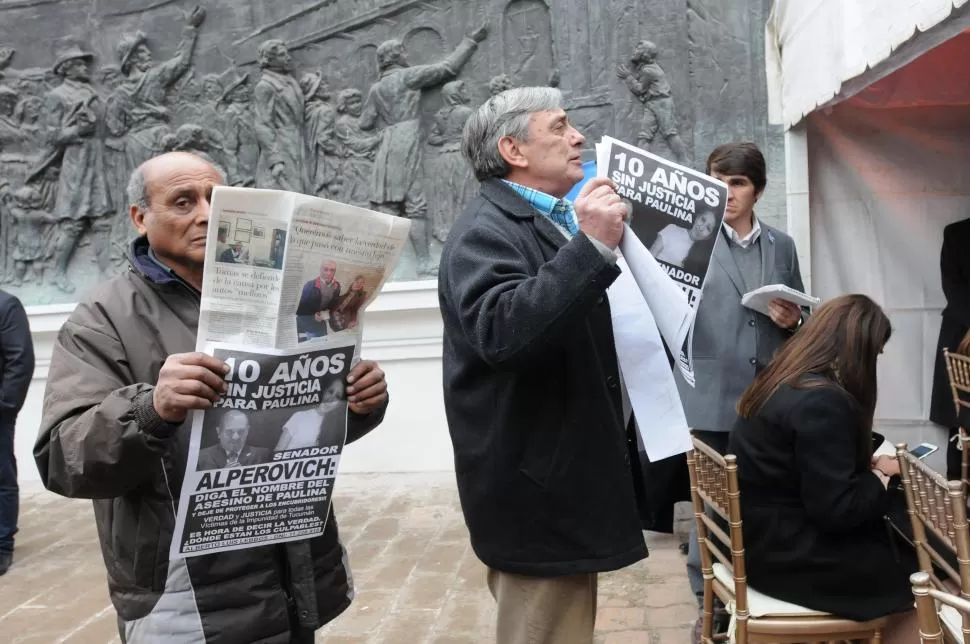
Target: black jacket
812,512
16,357
955,278
532,394
101,439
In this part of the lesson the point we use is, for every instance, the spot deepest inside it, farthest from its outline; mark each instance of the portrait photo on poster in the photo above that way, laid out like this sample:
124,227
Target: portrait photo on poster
674,210
273,414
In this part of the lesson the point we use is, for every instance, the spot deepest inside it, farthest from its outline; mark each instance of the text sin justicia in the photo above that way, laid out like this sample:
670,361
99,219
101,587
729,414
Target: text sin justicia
291,394
292,384
671,193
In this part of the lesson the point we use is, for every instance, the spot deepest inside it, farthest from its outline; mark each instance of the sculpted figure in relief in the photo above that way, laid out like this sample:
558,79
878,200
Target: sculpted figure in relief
453,185
393,106
648,82
75,129
356,149
137,110
321,144
239,132
279,120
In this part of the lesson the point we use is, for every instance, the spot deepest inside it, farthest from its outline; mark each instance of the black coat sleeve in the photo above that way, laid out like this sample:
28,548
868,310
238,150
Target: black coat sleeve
956,283
509,313
835,494
359,425
18,355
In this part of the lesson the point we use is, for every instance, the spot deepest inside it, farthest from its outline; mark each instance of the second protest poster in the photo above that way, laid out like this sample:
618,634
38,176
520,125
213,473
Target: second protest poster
676,212
267,457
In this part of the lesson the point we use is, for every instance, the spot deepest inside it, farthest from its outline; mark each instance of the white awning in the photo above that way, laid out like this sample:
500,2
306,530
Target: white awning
823,51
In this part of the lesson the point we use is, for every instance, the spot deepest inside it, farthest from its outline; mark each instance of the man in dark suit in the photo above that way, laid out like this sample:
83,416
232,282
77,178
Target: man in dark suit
232,450
955,277
731,342
16,370
317,298
545,449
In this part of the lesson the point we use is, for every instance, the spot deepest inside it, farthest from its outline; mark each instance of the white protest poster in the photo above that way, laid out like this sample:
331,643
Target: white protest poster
676,213
263,462
646,373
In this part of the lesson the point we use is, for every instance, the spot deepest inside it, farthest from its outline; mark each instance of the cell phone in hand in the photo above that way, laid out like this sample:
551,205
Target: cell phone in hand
923,450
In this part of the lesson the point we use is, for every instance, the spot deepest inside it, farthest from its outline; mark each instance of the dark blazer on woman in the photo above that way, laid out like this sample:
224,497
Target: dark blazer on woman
812,511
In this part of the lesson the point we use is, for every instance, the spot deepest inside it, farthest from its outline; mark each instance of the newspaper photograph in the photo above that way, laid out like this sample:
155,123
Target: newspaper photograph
284,268
263,461
676,213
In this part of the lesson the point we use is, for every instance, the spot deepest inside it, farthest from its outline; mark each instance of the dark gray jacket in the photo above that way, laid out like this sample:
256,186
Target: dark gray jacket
546,469
101,439
731,342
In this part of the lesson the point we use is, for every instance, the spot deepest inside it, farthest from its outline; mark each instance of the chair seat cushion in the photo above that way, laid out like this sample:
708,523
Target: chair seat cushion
761,605
952,621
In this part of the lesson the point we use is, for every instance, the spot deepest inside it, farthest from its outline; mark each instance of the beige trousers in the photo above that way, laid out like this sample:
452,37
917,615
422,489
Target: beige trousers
544,610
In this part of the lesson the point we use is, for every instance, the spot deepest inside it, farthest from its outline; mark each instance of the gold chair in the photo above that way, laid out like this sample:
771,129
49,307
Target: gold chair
958,371
938,507
756,617
927,599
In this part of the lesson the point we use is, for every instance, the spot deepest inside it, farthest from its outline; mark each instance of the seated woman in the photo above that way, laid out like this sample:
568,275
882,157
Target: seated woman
811,502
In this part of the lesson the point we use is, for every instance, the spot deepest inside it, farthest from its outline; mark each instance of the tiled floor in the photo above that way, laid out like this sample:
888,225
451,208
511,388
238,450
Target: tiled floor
417,578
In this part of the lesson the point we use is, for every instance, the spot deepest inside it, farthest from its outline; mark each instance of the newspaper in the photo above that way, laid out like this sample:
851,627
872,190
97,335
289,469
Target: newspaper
759,299
278,262
676,213
287,279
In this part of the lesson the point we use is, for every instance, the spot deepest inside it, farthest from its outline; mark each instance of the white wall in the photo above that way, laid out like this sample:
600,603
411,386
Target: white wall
869,194
402,331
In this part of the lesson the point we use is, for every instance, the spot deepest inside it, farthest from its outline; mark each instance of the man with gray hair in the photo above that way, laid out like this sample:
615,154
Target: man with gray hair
124,377
545,447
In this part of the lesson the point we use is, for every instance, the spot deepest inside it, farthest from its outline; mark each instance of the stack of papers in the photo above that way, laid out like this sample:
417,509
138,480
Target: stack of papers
759,298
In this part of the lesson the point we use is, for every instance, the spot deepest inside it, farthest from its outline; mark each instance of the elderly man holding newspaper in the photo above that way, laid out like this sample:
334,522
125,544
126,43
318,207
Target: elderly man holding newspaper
123,379
545,449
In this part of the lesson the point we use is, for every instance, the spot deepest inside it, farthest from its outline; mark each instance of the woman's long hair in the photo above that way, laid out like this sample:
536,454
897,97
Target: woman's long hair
841,341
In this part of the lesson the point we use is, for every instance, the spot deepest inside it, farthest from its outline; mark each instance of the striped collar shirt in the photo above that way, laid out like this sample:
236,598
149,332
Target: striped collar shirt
558,211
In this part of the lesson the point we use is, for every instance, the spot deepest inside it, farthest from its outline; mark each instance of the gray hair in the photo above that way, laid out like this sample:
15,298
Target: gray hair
505,114
137,190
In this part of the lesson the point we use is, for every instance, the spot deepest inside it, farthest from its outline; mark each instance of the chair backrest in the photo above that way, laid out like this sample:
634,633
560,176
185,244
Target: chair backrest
958,373
930,628
714,483
939,506
958,370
